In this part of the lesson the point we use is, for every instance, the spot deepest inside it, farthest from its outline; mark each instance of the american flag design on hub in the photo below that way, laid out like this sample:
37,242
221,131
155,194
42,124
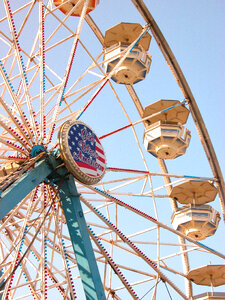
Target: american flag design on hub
86,150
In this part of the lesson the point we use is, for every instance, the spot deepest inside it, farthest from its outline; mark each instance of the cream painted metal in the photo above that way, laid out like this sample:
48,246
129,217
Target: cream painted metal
8,169
75,7
210,296
210,275
165,137
137,64
197,222
195,192
166,111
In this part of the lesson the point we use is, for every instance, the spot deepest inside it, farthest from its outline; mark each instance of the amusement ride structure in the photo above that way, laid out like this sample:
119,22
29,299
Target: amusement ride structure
88,207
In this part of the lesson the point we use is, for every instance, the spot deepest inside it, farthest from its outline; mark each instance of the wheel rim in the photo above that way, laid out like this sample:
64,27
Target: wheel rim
49,268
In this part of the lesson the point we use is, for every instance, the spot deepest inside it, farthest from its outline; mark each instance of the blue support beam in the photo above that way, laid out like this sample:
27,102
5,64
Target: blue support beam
81,241
52,170
23,186
1,284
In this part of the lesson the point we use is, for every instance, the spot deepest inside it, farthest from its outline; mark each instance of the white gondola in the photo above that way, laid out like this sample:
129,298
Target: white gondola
195,219
165,137
137,62
197,222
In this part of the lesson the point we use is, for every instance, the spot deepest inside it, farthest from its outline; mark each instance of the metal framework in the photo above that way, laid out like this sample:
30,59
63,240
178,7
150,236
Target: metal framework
46,169
107,241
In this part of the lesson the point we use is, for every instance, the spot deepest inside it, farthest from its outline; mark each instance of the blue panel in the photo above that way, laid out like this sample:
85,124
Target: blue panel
36,150
80,240
2,283
23,186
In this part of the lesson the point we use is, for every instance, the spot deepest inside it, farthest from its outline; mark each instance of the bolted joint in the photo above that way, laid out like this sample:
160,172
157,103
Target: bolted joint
37,149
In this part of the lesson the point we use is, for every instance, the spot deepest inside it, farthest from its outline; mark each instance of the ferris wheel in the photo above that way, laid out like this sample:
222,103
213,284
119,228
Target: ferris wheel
93,200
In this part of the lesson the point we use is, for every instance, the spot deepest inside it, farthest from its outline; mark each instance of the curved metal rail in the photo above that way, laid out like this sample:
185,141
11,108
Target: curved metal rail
182,83
185,89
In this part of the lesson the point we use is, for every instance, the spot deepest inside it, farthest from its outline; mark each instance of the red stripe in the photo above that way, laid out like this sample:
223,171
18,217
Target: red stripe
91,175
87,166
97,139
99,150
84,165
101,159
